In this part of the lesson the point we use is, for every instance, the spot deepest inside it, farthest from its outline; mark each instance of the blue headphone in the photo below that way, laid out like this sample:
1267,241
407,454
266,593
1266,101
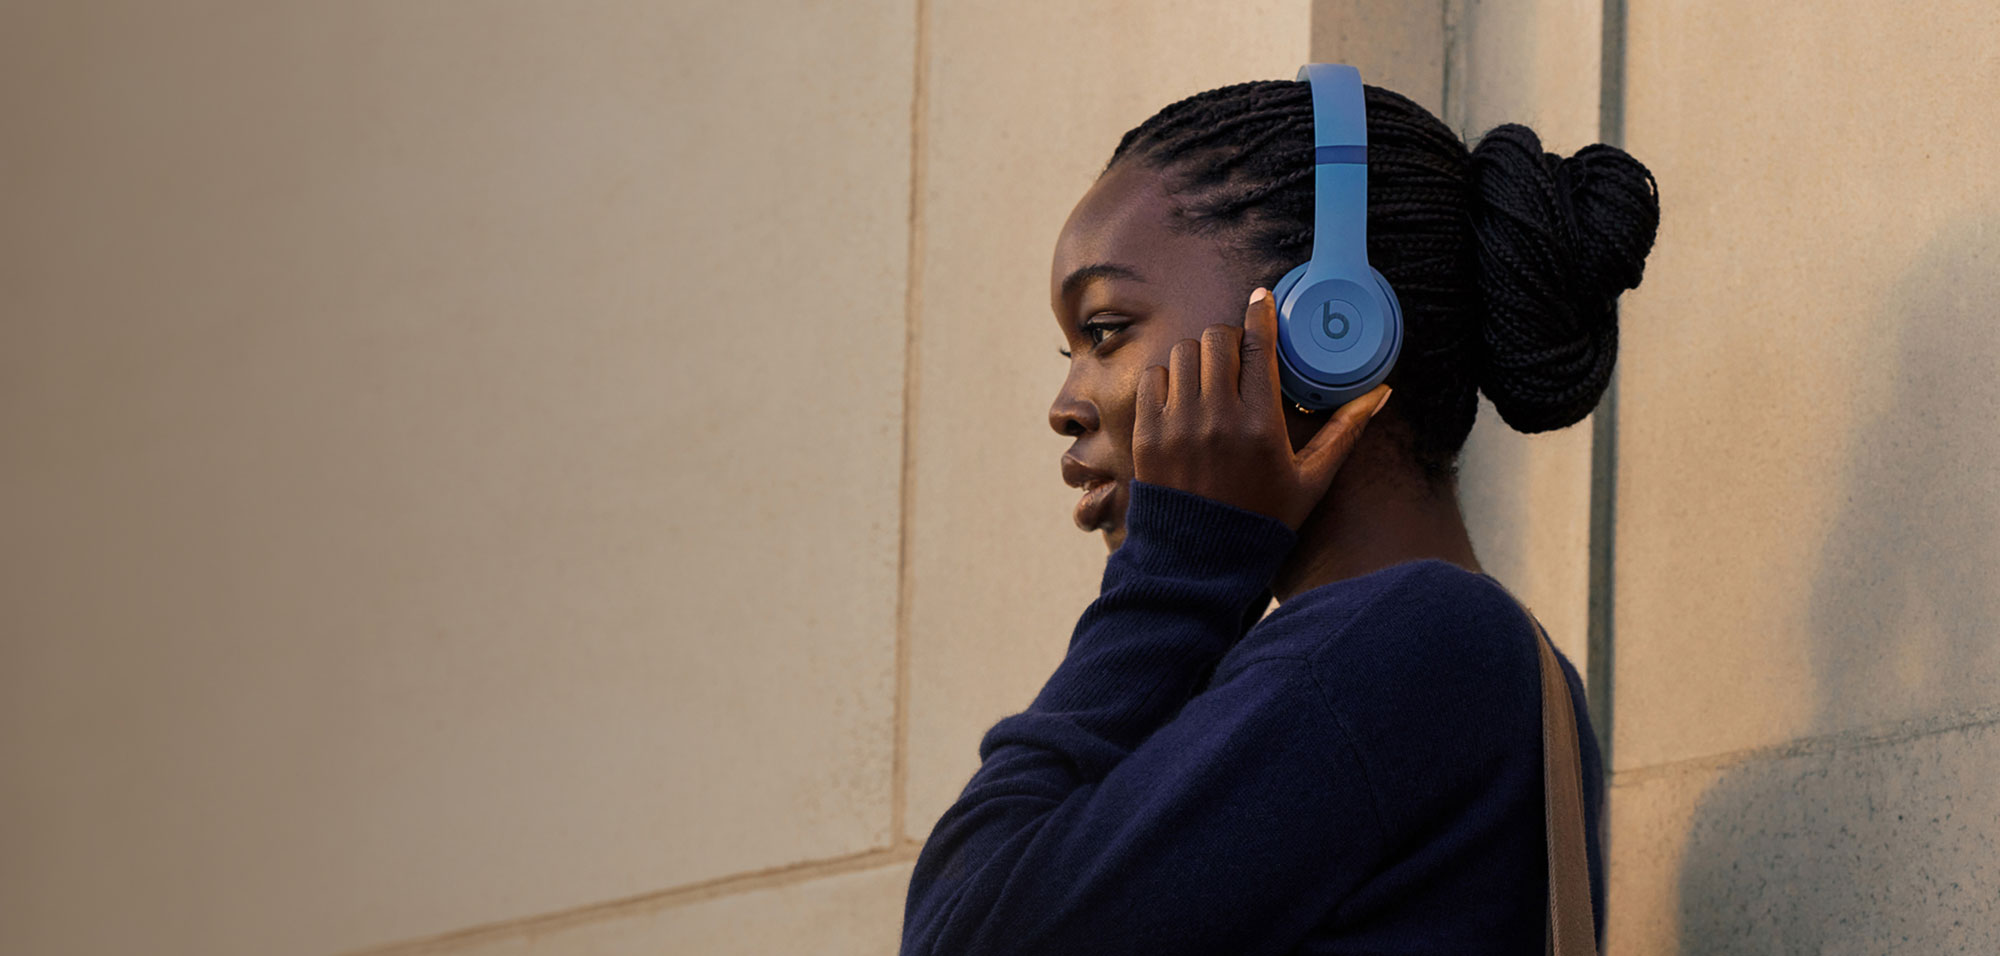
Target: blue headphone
1340,327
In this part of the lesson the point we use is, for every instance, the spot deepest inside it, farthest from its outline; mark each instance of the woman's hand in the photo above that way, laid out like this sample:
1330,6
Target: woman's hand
1212,422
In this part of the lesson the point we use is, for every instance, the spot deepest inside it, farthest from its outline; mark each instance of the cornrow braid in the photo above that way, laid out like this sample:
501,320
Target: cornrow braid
1508,261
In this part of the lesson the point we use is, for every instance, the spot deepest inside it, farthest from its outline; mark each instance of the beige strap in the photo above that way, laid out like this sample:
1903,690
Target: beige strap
1571,929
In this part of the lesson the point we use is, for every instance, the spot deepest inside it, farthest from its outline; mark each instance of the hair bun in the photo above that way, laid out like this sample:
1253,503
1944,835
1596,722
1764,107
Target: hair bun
1558,240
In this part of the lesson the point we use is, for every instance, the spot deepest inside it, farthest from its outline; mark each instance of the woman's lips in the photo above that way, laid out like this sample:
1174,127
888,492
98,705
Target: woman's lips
1094,508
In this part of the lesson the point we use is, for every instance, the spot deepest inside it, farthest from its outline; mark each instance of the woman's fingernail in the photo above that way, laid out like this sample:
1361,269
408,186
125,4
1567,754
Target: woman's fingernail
1385,400
1259,295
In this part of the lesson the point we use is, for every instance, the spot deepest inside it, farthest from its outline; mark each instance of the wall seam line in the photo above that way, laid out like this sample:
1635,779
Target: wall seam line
647,903
1846,741
1599,648
899,772
1448,26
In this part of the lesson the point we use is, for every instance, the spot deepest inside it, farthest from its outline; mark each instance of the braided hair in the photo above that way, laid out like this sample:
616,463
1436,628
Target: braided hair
1508,261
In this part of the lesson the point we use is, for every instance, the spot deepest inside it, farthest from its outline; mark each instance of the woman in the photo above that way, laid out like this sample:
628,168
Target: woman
1360,770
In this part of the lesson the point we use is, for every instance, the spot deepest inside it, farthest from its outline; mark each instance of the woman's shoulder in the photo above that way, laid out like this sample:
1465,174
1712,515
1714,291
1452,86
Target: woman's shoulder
1422,640
1425,614
1433,672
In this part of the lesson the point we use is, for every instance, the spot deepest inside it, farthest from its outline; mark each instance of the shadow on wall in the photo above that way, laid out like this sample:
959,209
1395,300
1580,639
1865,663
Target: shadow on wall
1882,840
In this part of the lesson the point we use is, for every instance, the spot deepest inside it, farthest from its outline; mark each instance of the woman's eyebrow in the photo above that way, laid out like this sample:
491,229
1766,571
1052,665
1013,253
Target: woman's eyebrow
1103,270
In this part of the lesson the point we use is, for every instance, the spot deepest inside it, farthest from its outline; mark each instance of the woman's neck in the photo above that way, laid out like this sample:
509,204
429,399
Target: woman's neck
1370,520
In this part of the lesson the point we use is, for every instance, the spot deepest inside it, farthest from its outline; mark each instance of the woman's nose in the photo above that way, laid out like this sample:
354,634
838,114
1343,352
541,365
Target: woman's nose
1072,416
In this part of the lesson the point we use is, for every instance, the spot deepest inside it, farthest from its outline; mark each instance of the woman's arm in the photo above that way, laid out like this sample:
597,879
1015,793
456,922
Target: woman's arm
1107,818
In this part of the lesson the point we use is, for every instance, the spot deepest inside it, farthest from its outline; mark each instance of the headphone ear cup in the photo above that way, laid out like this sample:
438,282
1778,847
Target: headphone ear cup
1317,370
1394,309
1393,313
1279,295
1284,286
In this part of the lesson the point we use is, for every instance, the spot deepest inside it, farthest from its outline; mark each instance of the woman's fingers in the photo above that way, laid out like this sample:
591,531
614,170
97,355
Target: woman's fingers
1259,387
1211,422
1184,377
1228,360
1221,355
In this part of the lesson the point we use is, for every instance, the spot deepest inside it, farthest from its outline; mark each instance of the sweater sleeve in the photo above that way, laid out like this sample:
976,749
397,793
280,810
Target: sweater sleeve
1109,818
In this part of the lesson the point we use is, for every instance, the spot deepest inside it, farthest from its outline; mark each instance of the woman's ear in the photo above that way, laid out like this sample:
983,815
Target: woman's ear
1302,426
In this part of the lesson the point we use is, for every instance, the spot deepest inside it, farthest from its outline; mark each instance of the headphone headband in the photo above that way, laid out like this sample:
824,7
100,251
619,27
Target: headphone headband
1338,119
1340,170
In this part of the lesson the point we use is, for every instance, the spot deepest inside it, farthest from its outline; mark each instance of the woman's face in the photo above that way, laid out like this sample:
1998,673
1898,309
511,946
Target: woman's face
1125,287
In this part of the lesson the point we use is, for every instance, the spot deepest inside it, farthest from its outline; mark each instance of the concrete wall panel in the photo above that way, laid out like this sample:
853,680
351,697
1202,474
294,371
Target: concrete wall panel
452,459
1396,44
1808,537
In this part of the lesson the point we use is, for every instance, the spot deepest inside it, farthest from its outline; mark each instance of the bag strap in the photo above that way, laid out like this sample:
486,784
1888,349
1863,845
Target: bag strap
1570,929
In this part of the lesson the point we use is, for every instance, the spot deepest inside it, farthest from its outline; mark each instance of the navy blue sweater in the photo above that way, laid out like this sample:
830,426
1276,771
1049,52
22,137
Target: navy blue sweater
1358,772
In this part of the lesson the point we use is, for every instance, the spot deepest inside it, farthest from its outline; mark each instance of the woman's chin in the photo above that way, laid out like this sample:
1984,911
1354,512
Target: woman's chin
1113,537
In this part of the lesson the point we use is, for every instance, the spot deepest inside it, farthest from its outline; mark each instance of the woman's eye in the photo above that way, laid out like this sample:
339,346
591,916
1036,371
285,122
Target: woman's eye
1091,330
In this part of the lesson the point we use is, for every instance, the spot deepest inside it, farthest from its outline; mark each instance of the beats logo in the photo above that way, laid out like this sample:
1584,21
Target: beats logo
1327,318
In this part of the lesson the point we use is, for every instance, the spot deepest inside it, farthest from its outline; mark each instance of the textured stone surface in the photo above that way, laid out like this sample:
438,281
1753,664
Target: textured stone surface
1866,843
451,459
1808,536
1026,103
